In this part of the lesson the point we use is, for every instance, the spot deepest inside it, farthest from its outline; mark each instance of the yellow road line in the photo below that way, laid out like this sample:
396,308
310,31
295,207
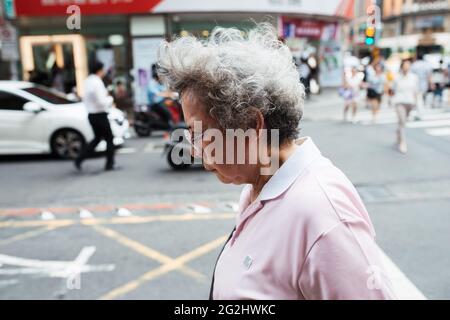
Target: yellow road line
36,223
165,268
116,220
145,251
29,234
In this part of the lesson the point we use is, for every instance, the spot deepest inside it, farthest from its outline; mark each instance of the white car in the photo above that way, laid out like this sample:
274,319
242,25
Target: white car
35,119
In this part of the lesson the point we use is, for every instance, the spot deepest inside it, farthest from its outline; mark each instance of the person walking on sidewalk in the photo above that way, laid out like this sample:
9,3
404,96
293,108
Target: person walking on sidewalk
350,92
376,83
423,70
407,93
98,102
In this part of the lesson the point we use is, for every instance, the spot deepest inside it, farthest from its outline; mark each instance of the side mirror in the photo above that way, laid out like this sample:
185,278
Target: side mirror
73,97
32,107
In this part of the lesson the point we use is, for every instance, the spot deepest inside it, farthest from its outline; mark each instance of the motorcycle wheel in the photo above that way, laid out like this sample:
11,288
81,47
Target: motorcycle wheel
142,131
181,166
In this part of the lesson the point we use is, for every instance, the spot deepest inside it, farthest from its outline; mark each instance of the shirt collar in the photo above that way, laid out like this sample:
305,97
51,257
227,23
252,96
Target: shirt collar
291,169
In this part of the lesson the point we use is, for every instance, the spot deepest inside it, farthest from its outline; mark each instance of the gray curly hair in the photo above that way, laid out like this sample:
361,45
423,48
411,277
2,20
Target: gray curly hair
232,74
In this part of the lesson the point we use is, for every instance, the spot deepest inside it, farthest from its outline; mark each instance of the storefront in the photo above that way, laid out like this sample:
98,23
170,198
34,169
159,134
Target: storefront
48,47
125,34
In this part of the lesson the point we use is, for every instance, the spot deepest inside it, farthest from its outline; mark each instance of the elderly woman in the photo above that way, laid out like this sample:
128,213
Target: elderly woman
302,231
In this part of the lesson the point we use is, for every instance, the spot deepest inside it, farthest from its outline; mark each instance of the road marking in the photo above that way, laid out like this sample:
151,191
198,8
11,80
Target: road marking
154,147
145,251
198,209
61,269
124,212
117,220
29,234
391,118
439,132
5,283
94,208
233,205
47,215
165,268
428,124
403,287
36,223
85,214
126,150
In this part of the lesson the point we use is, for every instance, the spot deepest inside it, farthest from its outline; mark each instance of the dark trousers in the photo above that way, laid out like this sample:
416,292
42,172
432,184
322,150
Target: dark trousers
102,131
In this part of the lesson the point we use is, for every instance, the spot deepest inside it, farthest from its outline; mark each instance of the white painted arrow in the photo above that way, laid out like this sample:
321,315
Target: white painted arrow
60,269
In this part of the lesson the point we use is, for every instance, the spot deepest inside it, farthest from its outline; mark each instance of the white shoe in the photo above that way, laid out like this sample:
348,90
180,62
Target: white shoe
402,147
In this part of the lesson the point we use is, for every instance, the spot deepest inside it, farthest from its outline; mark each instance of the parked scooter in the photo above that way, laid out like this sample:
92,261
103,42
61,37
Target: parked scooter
147,120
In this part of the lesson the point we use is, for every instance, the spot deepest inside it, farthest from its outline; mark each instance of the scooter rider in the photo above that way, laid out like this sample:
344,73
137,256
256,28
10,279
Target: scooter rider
157,94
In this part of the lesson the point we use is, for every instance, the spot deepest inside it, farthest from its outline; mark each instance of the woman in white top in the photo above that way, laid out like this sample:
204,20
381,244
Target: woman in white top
350,93
406,92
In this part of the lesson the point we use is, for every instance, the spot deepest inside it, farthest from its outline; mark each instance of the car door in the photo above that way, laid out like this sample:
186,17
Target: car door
20,131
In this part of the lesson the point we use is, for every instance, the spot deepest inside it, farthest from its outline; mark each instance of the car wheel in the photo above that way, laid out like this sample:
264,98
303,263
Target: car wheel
67,144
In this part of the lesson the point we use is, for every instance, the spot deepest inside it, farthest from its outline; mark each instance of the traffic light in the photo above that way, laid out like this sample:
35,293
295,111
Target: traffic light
370,36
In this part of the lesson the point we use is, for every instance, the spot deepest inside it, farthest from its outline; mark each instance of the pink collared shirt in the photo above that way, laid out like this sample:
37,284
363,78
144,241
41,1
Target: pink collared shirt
306,236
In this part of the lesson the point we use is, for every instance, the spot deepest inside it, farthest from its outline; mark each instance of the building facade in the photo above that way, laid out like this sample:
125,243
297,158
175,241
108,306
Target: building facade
416,25
124,34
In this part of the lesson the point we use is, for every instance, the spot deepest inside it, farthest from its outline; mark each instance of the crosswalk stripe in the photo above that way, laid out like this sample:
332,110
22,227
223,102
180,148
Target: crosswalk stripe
153,147
438,132
438,120
432,116
428,124
126,150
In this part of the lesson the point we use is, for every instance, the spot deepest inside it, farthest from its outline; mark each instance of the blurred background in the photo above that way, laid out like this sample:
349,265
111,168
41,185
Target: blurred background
153,229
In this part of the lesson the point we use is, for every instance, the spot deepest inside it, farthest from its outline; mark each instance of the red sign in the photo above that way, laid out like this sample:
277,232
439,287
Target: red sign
87,7
301,28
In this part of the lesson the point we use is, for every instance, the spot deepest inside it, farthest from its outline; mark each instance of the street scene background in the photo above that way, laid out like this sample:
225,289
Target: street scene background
152,231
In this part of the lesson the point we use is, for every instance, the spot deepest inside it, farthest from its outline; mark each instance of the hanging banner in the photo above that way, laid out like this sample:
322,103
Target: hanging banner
302,28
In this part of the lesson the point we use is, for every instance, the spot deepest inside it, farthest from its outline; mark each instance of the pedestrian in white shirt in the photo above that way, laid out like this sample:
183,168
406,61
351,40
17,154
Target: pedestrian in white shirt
406,95
423,70
352,85
98,102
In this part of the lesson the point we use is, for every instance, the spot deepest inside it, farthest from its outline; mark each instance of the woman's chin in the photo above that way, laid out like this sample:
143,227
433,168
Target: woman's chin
222,178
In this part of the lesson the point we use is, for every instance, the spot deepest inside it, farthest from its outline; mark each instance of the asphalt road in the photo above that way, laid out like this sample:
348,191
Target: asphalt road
148,232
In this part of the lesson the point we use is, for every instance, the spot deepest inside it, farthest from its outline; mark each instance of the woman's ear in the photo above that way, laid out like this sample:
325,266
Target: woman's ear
259,123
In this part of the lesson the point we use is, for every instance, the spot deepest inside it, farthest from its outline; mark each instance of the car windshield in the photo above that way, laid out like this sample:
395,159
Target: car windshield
49,95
